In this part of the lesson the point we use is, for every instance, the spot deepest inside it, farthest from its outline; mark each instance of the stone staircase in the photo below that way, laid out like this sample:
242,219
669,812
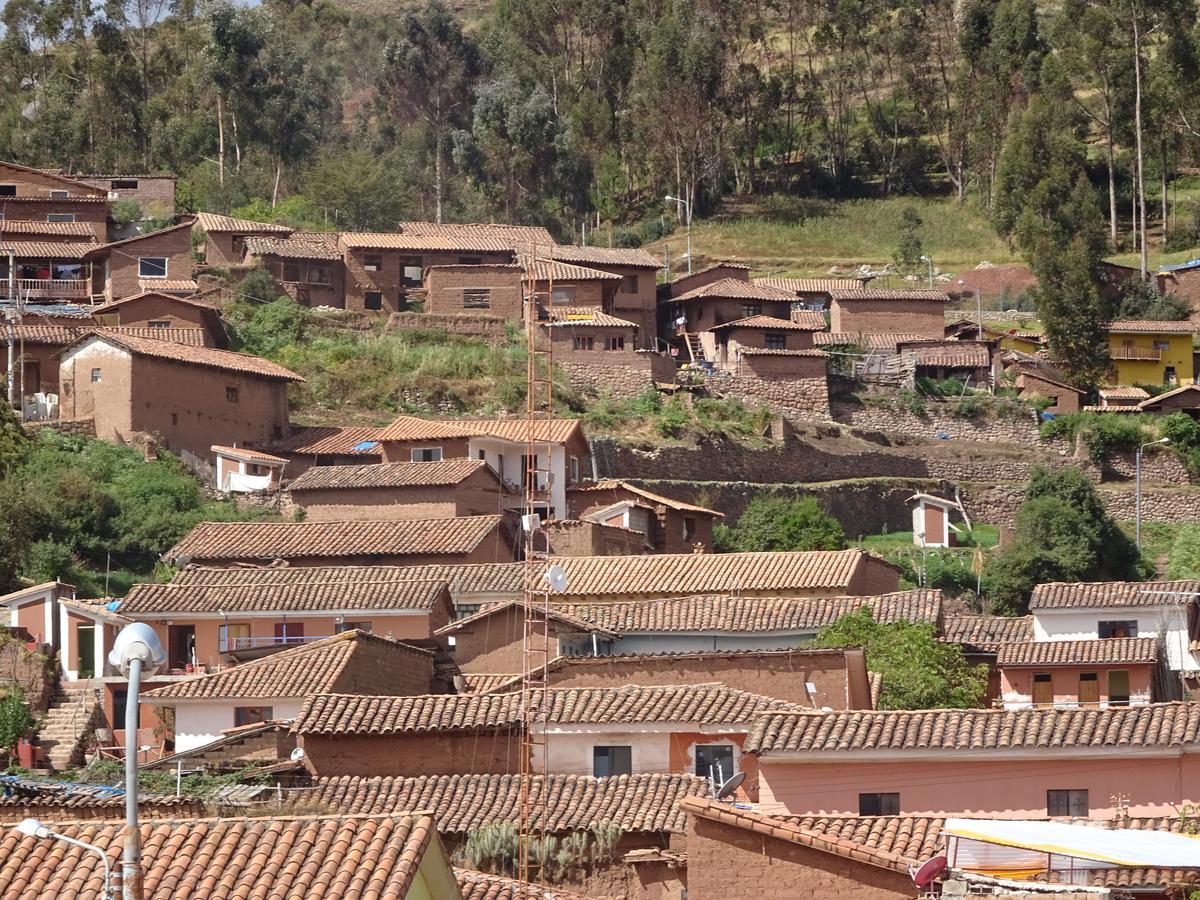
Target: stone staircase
71,721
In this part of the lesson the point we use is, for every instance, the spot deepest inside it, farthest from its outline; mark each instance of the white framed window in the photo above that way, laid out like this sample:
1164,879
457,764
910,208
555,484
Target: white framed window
574,469
426,454
60,217
152,267
60,195
563,296
96,376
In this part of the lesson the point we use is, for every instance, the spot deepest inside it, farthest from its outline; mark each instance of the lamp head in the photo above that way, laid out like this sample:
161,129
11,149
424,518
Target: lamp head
32,828
925,258
137,641
1163,441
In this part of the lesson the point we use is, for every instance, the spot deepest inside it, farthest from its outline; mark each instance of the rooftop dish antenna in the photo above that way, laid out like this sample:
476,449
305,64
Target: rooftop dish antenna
726,790
297,754
556,577
928,872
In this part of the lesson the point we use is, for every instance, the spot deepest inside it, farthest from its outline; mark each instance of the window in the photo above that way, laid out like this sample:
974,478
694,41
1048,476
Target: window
751,309
1117,629
629,284
1118,687
231,394
1169,376
609,761
152,267
426,454
574,469
411,271
470,260
689,528
174,418
372,262
714,761
158,323
124,184
1089,687
879,804
372,300
614,343
339,627
8,190
60,195
60,217
1162,345
251,715
1043,689
776,340
233,636
563,296
319,275
291,272
1067,803
585,343
96,376
477,298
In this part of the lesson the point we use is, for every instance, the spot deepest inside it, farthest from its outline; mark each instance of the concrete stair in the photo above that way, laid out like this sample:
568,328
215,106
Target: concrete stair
71,721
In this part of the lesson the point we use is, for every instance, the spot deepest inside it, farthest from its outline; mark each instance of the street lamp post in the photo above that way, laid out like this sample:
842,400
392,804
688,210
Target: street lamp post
35,829
978,318
687,207
137,651
1137,527
929,263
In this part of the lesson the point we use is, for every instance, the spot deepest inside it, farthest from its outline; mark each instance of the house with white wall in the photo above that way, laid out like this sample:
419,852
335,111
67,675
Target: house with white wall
77,631
1165,610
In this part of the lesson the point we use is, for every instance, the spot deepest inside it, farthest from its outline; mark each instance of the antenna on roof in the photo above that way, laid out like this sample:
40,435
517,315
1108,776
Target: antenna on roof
924,875
729,786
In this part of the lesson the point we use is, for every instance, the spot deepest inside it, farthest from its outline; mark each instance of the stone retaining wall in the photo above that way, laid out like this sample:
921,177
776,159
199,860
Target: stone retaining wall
618,381
78,427
998,503
1158,465
493,329
1003,424
806,399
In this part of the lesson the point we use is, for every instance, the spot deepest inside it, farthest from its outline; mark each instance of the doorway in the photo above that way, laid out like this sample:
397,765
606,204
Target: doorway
85,650
181,641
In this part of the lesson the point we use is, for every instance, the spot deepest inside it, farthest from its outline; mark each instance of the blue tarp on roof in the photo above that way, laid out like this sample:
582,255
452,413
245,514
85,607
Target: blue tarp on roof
1179,267
364,446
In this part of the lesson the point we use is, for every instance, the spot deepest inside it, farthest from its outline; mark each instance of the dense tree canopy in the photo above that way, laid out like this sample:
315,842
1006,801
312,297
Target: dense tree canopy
783,523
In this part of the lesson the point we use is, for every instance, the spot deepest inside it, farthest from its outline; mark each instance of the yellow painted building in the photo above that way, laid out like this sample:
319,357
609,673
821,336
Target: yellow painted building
1146,352
1029,342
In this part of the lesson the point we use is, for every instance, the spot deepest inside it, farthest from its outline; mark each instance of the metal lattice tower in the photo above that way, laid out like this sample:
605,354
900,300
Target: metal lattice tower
539,406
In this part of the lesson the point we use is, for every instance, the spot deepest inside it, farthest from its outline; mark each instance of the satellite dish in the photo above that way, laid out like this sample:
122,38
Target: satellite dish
297,754
556,575
731,785
926,873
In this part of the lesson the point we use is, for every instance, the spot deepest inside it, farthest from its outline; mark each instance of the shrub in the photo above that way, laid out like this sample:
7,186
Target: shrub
125,212
911,400
1103,434
16,719
1184,432
968,408
786,523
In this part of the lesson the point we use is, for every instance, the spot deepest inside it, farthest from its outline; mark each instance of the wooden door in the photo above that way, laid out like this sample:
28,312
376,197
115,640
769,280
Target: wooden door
1089,687
1043,689
85,640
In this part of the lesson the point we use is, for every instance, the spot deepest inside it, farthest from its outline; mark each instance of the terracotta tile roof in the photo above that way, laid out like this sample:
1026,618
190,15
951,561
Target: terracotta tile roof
613,484
1155,725
607,256
985,634
194,356
836,338
384,475
83,230
463,803
545,269
684,276
329,440
888,341
173,298
1109,651
335,857
245,453
485,886
965,357
314,245
488,684
300,671
62,335
813,318
1130,326
176,285
809,285
46,249
707,704
772,323
217,223
585,317
1132,409
869,293
303,589
735,289
766,351
1152,402
1100,594
549,431
470,238
282,540
750,614
788,830
1123,393
555,614
411,428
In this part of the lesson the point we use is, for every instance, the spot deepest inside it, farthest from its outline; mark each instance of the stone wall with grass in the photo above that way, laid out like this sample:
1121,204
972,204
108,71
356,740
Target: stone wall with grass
1158,465
997,503
972,418
805,399
620,381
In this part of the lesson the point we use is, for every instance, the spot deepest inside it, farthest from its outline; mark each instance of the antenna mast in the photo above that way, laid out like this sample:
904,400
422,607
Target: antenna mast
538,483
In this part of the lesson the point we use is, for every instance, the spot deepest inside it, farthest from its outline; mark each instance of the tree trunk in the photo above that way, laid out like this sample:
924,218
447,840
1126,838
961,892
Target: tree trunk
1165,225
220,140
275,191
1137,117
1112,192
437,178
237,145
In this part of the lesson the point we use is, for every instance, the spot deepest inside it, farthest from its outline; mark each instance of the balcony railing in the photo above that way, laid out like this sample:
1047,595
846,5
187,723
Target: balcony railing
48,288
1138,353
251,643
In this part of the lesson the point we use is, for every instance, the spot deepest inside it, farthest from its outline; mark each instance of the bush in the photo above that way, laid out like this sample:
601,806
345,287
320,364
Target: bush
125,212
786,523
16,719
1184,432
968,408
1103,434
1183,561
911,400
267,329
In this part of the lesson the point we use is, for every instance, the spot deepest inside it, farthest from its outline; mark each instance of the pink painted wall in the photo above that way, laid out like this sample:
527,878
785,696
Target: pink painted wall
1065,682
1012,788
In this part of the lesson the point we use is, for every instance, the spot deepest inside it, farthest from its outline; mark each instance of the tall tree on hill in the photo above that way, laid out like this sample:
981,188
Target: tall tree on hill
292,103
236,37
429,70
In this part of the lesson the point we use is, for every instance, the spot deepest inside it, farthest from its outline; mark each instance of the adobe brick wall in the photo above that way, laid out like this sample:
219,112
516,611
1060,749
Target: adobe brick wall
401,451
446,753
706,313
667,534
1185,284
478,495
873,576
576,538
757,337
639,306
40,184
492,329
155,193
45,358
725,862
153,308
924,317
685,283
388,280
585,292
173,243
218,249
93,214
29,669
1030,385
444,291
493,645
373,665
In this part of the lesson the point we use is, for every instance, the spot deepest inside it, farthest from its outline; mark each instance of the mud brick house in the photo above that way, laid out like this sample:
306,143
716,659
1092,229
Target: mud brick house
312,446
635,298
154,310
489,641
1182,399
967,361
491,290
16,230
159,261
155,194
225,237
1035,383
274,687
723,344
579,537
670,526
190,397
812,293
1072,611
836,679
879,310
847,763
599,353
1182,279
1144,352
562,450
682,284
307,266
718,303
981,638
1059,674
466,539
627,730
211,617
405,490
333,857
563,284
34,195
50,270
